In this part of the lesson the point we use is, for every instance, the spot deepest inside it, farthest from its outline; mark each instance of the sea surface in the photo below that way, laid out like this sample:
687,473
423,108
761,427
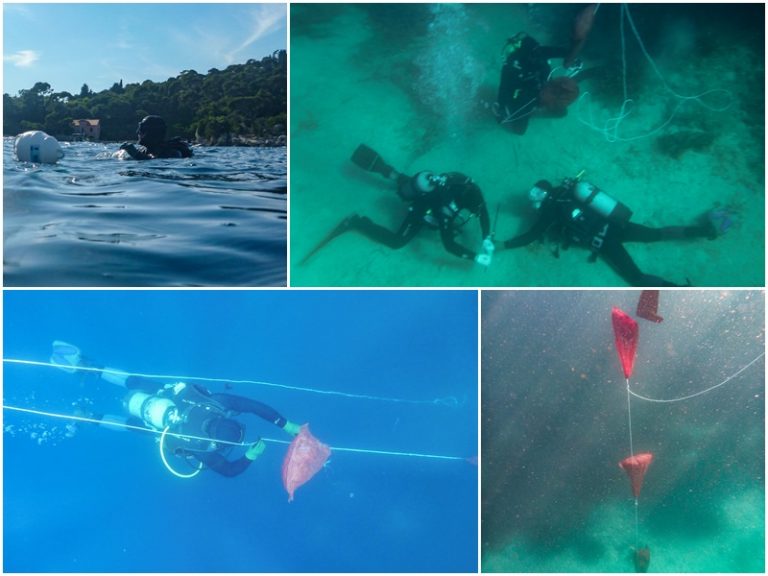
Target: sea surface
555,426
417,83
78,497
216,219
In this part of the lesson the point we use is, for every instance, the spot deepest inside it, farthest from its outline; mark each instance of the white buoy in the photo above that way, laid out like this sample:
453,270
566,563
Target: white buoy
38,147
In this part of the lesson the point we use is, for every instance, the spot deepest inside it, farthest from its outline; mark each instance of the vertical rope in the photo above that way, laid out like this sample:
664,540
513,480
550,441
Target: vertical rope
632,453
629,418
637,526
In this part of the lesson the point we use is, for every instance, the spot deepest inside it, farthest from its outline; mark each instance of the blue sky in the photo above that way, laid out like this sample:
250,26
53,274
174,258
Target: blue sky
68,45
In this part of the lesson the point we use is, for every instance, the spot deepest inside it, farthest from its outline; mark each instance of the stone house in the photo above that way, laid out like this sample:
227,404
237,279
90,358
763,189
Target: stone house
89,129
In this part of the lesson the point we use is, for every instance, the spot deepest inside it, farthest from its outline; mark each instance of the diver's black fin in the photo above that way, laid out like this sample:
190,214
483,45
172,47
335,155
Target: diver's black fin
368,159
343,226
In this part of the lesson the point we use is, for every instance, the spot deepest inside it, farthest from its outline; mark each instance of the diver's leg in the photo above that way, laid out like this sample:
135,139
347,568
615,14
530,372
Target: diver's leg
614,253
129,381
394,240
639,233
67,357
365,226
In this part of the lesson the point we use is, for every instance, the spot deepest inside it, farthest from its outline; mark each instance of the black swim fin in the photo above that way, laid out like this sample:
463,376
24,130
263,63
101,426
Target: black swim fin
368,159
343,226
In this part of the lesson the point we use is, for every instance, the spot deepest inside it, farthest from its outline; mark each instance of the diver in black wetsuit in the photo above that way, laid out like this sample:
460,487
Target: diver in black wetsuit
579,213
152,143
190,409
204,421
445,202
526,86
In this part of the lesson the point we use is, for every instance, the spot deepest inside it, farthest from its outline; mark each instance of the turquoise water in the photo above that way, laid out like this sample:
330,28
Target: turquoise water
216,219
555,425
415,83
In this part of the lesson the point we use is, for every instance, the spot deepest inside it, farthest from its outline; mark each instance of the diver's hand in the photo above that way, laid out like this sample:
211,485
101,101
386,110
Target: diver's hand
255,450
488,246
483,259
130,149
292,428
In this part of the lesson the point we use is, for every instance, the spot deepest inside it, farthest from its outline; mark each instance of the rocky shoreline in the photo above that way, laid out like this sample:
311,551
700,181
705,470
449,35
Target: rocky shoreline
237,140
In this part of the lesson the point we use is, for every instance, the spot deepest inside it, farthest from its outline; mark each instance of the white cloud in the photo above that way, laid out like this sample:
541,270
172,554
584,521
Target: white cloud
23,58
19,9
266,18
123,44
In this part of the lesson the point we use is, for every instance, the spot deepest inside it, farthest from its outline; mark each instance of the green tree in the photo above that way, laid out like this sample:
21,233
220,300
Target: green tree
243,99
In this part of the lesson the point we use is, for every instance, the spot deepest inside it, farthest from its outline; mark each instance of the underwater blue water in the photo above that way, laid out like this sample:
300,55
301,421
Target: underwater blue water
216,219
93,499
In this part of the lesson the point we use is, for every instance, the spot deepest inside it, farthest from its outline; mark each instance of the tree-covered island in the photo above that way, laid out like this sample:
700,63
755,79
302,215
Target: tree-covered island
244,104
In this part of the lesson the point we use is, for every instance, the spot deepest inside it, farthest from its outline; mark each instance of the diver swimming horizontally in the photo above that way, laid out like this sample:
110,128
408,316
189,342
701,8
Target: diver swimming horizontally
152,143
445,202
198,426
579,213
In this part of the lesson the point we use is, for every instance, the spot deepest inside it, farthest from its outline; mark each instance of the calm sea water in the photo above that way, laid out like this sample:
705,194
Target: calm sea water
217,219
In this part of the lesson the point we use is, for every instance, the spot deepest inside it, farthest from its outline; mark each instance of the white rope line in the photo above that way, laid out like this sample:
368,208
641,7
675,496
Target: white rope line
689,396
446,401
610,129
191,437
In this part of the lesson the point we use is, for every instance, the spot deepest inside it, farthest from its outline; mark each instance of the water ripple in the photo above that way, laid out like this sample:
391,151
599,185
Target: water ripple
92,220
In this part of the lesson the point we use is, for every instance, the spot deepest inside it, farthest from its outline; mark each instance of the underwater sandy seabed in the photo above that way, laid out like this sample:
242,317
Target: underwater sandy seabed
605,543
351,83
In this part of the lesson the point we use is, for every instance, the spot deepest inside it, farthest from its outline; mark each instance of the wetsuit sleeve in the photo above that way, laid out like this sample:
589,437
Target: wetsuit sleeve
472,200
218,463
534,233
243,404
178,149
446,233
135,152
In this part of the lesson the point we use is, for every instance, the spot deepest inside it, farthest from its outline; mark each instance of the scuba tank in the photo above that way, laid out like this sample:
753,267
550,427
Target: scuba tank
421,184
155,411
163,413
600,202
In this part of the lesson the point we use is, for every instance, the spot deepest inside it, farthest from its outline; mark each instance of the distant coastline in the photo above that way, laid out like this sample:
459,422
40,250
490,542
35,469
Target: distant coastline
244,104
244,141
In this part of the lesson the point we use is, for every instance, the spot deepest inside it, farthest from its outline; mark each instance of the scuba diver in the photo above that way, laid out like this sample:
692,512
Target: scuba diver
527,85
580,213
197,426
152,143
445,202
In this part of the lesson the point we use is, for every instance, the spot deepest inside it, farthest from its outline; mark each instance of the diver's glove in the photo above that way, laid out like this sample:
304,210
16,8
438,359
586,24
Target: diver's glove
573,67
483,259
292,428
255,450
488,245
